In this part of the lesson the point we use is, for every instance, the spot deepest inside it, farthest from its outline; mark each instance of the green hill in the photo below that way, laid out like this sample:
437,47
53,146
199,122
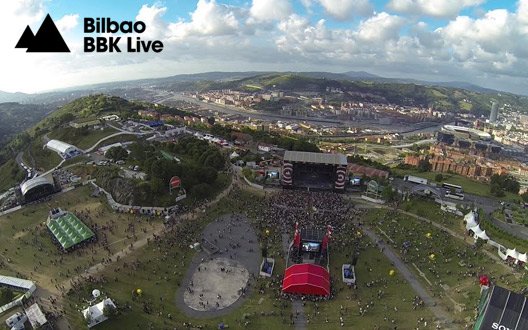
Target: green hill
15,118
397,93
89,107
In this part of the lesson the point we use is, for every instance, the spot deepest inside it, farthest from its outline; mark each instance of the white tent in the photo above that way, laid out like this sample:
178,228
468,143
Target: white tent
482,235
512,254
234,155
478,232
96,312
523,257
470,219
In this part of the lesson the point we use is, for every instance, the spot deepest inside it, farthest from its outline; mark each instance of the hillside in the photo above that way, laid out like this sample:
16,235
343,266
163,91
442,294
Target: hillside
15,118
87,107
22,126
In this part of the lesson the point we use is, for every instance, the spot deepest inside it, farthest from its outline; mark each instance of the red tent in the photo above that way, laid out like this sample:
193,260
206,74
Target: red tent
306,279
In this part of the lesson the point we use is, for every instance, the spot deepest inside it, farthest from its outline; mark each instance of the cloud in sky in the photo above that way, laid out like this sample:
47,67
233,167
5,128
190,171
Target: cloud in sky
345,9
435,8
403,38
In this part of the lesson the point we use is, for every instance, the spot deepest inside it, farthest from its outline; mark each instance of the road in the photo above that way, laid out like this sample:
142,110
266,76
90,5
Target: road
408,145
109,137
121,132
488,204
395,128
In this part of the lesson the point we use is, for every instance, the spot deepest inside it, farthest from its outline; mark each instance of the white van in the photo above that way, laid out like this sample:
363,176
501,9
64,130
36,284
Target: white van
16,321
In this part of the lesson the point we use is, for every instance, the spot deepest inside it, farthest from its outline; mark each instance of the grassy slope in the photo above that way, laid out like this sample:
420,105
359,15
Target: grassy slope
44,158
162,280
461,280
11,174
26,241
263,309
81,138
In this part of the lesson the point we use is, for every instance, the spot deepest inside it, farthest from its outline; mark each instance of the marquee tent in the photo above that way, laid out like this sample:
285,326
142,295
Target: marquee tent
470,220
478,232
512,254
306,279
95,314
69,230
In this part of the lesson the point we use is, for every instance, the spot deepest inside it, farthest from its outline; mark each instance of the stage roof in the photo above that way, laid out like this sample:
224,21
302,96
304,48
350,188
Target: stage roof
35,182
505,308
315,158
312,234
306,279
69,230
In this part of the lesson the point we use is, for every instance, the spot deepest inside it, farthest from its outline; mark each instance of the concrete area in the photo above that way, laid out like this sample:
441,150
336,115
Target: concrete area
217,284
239,251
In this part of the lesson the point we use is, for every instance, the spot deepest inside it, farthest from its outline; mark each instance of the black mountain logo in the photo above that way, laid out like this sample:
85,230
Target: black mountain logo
48,39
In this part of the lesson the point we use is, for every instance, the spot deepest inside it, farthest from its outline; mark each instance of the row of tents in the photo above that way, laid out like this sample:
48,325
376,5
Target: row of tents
473,228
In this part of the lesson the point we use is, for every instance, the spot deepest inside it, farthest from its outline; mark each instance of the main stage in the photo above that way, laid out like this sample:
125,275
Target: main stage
314,171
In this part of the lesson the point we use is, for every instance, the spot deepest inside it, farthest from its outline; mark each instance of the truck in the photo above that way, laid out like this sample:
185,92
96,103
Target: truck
415,179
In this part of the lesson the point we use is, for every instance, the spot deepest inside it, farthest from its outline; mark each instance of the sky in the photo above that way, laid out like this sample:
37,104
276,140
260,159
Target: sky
476,41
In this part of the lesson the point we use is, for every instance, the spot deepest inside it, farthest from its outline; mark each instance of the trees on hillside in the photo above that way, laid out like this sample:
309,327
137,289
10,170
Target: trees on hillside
500,183
117,153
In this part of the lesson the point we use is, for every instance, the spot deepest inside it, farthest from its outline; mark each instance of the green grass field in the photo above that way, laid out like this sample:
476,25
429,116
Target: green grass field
429,209
26,242
453,270
158,270
372,267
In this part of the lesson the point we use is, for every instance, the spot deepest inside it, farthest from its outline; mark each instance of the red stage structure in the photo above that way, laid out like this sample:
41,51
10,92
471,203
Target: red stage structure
306,279
307,265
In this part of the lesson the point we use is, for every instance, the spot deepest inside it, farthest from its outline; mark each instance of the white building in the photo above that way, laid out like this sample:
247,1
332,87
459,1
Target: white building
64,149
110,117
